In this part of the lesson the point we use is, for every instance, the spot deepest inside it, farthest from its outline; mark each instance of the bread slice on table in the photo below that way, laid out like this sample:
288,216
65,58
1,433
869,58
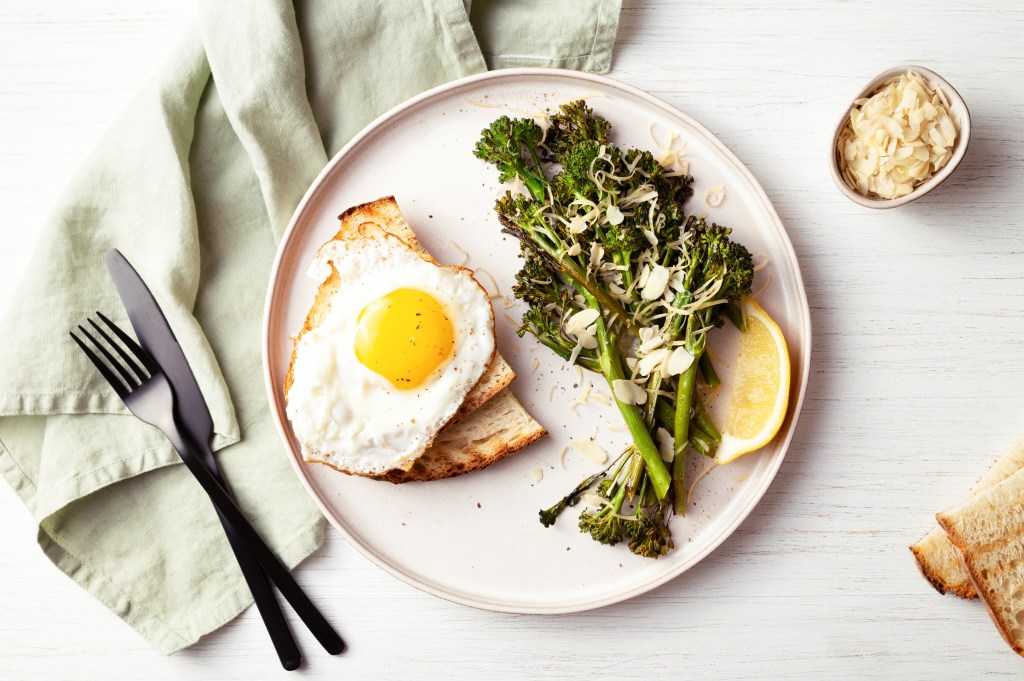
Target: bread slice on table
937,557
988,532
491,423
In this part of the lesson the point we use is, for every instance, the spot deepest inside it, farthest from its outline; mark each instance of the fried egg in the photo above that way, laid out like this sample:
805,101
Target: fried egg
403,343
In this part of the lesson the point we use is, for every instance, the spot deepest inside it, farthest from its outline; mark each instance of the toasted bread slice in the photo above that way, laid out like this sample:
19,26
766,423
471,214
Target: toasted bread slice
937,557
988,532
492,432
490,424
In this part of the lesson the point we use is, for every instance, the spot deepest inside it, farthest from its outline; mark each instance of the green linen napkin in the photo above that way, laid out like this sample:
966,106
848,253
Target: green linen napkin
195,184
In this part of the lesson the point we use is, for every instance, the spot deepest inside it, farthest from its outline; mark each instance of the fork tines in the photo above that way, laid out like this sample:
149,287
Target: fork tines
128,381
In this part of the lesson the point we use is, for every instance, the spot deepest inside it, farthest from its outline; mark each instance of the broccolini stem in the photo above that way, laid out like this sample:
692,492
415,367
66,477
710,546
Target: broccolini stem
615,503
570,271
533,175
665,414
704,420
550,515
565,353
636,473
700,441
627,275
684,399
650,410
611,367
735,315
707,371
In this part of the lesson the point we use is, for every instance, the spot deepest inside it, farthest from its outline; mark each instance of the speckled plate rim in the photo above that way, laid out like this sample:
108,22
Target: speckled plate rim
275,393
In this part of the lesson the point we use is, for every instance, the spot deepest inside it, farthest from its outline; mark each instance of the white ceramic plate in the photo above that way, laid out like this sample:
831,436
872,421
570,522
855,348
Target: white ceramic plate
476,539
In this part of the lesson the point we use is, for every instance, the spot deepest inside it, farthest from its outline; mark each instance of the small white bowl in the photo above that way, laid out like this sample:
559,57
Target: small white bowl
957,110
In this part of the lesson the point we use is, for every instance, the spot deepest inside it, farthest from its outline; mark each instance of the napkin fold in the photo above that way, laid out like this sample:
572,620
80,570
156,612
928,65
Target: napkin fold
195,183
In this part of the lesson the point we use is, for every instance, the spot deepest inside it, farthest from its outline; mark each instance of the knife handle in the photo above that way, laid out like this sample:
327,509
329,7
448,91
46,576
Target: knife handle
271,564
263,595
259,584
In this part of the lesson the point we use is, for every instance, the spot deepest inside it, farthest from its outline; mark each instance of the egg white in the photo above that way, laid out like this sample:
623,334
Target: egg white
347,415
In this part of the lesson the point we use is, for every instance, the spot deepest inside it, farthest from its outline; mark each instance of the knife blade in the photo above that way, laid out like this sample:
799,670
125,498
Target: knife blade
157,338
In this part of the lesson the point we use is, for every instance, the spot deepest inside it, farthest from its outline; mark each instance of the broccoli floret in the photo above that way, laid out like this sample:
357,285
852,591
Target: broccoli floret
574,180
645,167
672,224
719,257
573,124
535,283
605,526
649,535
676,189
627,237
512,145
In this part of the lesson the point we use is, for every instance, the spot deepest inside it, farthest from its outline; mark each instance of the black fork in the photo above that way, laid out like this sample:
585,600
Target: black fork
145,390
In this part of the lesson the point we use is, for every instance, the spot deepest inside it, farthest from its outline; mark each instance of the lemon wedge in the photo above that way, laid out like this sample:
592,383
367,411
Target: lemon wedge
760,391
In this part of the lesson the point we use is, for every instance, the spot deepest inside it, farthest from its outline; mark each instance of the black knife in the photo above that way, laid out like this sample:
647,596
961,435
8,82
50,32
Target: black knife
157,338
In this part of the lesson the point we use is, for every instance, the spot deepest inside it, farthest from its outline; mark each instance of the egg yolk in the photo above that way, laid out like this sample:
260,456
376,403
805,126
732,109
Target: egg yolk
404,336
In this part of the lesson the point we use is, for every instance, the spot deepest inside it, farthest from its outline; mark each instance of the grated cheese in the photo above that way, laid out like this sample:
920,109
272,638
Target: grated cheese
577,225
463,252
581,321
666,445
536,363
711,393
561,456
700,476
628,392
718,359
482,105
538,474
679,361
897,138
655,284
652,361
763,287
590,450
671,153
581,398
493,292
614,215
714,197
517,186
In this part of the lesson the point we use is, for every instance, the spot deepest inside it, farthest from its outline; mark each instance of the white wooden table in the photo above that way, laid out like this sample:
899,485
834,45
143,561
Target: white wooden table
917,379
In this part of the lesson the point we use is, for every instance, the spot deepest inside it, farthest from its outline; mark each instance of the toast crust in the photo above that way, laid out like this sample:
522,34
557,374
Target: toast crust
940,565
937,558
488,434
993,557
454,453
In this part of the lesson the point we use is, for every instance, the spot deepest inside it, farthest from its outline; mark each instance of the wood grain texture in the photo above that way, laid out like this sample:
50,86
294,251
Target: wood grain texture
917,377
